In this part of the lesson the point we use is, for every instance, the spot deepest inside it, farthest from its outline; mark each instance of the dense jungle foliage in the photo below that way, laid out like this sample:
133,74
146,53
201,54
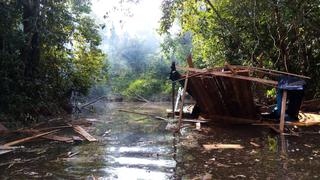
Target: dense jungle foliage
48,51
138,70
276,34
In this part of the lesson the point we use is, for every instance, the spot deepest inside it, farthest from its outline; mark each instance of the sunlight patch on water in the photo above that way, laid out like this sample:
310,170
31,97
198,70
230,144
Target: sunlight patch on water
146,162
135,173
135,149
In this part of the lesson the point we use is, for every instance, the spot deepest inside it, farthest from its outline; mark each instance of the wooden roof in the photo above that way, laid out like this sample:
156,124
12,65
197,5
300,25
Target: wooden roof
227,96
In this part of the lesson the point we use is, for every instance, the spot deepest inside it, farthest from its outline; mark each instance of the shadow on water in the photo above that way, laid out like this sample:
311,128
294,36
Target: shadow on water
137,147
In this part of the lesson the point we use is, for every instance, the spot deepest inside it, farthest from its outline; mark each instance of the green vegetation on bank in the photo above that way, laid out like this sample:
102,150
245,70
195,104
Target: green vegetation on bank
281,35
48,51
137,67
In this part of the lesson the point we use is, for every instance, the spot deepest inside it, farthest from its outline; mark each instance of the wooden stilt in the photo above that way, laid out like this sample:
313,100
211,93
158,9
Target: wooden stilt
173,94
182,100
283,110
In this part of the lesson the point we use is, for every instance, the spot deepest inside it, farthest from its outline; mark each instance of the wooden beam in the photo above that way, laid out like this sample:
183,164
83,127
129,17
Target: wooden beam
224,74
283,110
30,138
231,68
210,70
222,146
247,78
182,100
58,138
84,133
189,61
274,72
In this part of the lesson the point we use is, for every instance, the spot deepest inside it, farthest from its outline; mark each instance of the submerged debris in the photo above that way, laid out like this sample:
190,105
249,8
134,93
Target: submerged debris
47,131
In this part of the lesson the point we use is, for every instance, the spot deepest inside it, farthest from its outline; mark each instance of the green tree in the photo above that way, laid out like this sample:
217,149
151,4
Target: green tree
49,49
281,35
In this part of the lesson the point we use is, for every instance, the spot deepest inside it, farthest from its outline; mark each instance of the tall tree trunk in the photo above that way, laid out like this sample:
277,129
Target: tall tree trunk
31,51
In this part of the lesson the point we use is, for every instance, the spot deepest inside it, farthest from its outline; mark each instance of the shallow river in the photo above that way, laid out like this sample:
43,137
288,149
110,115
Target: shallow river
137,147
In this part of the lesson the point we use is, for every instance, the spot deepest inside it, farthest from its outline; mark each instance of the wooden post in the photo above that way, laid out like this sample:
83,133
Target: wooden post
283,110
182,100
173,94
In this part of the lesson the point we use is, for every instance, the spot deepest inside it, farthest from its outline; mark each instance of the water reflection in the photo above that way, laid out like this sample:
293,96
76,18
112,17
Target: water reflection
137,173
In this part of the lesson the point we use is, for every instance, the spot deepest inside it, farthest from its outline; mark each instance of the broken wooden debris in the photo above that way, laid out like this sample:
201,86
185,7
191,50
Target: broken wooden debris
198,126
84,133
10,147
140,98
237,76
222,146
5,151
275,72
72,154
254,144
58,138
49,133
23,140
91,102
306,119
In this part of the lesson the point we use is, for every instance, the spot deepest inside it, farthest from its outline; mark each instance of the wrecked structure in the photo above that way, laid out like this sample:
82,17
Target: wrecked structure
225,94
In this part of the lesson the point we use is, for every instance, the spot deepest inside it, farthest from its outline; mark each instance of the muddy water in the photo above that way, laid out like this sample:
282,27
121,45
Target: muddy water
137,147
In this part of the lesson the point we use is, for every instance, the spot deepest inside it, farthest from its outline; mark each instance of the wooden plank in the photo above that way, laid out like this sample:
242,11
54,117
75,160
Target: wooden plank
219,69
10,147
230,98
84,133
283,110
306,119
223,74
253,79
222,146
279,72
255,144
23,140
182,100
58,138
196,90
191,75
231,68
5,151
245,97
189,61
92,101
